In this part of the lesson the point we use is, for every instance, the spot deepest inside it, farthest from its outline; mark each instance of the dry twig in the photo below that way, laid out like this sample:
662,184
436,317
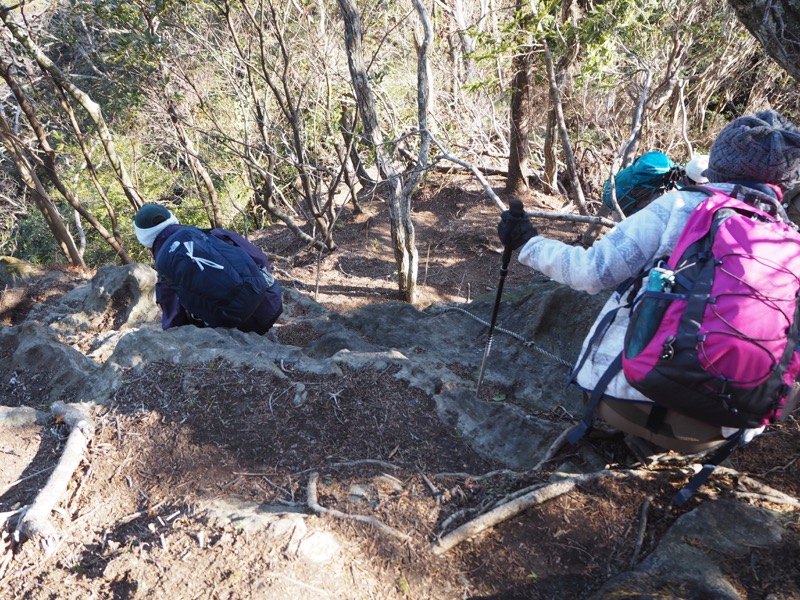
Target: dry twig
496,199
640,534
779,467
436,493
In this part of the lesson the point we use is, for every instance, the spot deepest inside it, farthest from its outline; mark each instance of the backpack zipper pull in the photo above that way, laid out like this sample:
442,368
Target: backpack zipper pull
667,351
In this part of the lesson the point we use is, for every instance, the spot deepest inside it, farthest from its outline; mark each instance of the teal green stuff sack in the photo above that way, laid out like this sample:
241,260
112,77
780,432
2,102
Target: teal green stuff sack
650,175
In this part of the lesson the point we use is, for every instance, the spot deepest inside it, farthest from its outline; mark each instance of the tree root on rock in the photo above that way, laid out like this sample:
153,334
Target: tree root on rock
640,533
34,519
321,510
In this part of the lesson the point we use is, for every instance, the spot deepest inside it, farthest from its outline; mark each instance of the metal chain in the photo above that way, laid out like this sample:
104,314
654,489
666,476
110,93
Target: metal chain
529,344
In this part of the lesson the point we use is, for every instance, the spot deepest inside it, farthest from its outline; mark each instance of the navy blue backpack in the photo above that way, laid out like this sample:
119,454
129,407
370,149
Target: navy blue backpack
217,282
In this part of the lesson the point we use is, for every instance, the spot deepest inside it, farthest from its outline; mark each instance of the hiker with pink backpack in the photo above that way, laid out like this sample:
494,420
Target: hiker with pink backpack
697,347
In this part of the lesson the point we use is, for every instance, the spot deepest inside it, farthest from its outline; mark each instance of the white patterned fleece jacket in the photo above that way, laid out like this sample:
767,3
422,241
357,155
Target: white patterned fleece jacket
633,244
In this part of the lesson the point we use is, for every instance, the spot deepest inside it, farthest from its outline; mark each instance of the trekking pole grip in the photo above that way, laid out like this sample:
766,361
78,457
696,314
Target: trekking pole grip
515,208
518,212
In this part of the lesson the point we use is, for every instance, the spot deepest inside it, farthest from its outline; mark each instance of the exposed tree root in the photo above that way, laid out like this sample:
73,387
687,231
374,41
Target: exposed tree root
460,475
539,494
514,504
321,510
354,463
554,448
758,490
34,521
640,534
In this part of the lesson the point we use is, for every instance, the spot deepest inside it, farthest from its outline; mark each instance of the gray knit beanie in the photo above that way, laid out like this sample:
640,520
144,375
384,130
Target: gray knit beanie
764,147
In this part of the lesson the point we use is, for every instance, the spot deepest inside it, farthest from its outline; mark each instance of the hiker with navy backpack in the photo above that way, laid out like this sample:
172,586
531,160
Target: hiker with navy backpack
697,347
208,277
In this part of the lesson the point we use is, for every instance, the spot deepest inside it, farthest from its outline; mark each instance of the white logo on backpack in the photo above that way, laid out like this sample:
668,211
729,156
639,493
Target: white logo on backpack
201,262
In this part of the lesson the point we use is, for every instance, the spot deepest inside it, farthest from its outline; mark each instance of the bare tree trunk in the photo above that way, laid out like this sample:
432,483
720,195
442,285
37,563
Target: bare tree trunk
555,96
346,125
426,92
520,126
521,109
43,202
628,150
467,42
550,152
402,228
775,24
348,129
90,106
423,98
551,133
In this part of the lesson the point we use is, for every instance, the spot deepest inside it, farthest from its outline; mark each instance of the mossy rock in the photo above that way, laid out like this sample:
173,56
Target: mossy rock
13,271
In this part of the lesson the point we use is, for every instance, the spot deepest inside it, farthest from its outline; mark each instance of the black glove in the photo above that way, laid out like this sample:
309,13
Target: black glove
515,229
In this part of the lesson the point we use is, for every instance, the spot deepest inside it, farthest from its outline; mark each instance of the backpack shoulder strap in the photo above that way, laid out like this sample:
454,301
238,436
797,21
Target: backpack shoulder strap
615,367
178,232
233,238
594,400
629,286
760,196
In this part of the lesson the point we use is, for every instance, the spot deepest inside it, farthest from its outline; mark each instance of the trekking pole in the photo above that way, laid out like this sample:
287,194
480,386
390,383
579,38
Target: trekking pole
517,211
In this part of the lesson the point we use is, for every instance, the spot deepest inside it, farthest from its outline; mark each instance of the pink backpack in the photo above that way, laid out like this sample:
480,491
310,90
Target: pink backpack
715,334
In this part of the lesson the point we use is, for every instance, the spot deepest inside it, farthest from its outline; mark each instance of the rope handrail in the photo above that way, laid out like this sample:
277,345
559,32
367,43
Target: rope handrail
514,334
